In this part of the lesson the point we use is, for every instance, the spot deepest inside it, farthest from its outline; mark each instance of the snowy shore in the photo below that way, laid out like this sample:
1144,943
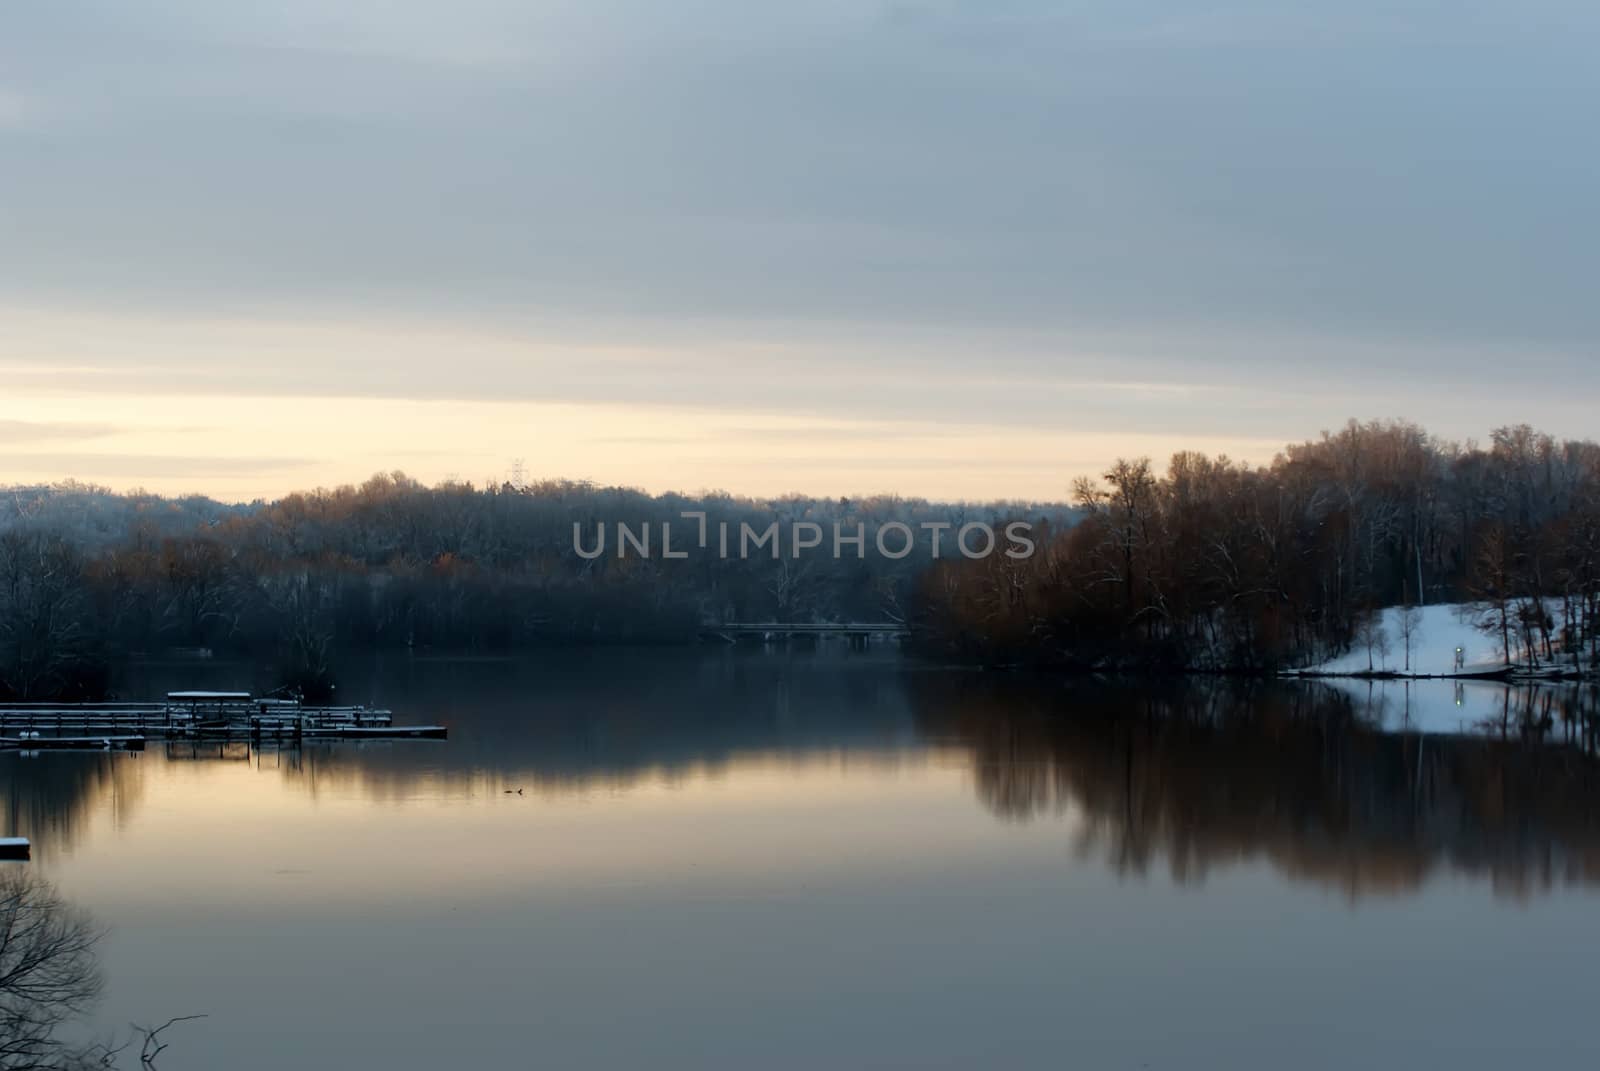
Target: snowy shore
1443,643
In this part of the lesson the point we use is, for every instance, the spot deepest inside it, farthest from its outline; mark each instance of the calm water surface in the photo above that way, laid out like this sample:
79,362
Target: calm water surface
818,859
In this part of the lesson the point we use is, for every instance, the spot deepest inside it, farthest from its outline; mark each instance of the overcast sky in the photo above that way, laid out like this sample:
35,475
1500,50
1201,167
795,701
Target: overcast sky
953,248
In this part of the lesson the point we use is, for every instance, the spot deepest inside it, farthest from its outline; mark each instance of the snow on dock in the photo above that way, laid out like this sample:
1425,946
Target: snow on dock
193,714
15,848
32,740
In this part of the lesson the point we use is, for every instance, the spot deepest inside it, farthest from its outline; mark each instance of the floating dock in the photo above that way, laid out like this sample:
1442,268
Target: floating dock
15,848
192,715
35,741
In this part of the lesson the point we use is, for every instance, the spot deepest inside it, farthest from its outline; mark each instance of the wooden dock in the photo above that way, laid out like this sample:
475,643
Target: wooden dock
189,715
33,741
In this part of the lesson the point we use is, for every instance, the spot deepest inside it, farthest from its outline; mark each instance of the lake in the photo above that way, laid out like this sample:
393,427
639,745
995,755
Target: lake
744,858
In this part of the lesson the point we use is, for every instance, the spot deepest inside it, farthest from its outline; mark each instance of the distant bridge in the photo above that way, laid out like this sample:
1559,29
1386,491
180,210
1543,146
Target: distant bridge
856,631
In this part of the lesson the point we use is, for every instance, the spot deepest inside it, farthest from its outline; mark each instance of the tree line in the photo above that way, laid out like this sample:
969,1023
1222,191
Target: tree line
88,576
1219,565
1212,565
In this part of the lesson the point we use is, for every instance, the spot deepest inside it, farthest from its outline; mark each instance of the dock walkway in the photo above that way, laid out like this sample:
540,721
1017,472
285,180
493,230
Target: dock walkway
184,715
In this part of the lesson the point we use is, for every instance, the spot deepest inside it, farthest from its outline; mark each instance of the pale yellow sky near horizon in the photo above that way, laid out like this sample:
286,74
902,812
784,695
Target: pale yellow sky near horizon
244,408
241,407
239,448
255,407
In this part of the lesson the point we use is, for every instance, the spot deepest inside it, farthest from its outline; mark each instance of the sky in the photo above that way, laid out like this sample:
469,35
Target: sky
952,248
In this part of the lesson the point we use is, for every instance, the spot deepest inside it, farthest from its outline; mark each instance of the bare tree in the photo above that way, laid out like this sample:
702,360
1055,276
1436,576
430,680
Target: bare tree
1371,635
48,974
1409,622
1492,586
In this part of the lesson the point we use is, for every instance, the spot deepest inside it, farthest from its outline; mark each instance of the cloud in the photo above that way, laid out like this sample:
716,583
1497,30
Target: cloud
16,432
145,466
14,110
1007,164
1266,386
1145,216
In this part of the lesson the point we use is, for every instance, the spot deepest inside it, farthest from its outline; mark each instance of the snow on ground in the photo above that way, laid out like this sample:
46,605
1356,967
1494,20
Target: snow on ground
1430,706
1439,631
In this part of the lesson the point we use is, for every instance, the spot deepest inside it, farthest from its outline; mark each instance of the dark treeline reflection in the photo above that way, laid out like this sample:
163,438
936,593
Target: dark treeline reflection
51,797
1201,776
1180,778
558,723
598,717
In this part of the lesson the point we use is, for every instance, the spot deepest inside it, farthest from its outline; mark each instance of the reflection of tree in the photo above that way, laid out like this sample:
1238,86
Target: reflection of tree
1187,775
48,977
588,720
1200,776
52,797
604,720
48,974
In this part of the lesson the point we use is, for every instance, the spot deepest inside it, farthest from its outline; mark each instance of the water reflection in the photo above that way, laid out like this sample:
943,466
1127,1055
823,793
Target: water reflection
51,797
1313,778
1301,775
